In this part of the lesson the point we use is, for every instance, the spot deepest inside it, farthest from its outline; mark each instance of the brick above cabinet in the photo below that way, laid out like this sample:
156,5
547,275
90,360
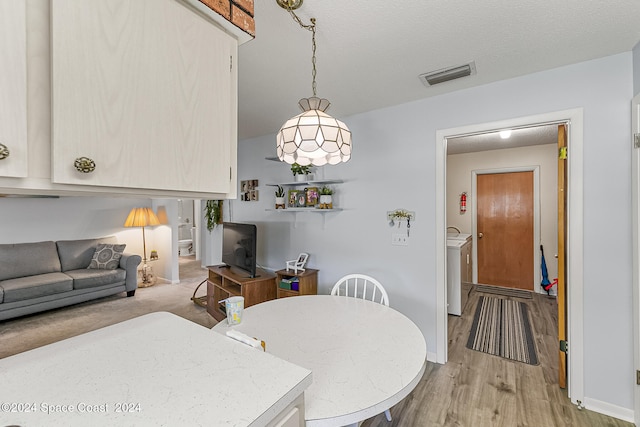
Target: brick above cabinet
238,12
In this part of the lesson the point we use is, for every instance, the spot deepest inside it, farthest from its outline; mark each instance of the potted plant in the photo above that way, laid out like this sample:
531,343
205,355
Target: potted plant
280,198
213,213
300,172
326,199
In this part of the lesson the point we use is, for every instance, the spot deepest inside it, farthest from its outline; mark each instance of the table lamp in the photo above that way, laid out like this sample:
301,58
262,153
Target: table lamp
143,217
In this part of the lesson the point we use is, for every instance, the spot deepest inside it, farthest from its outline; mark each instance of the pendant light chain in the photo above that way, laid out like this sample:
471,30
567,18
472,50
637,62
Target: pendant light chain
312,137
311,27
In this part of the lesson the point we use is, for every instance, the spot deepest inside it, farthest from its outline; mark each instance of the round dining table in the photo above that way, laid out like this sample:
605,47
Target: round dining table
365,357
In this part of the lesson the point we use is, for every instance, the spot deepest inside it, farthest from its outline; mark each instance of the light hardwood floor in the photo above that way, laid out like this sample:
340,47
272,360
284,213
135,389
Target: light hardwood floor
475,389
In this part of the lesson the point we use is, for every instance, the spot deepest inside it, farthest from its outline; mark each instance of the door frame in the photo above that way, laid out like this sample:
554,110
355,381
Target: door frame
575,218
536,218
635,229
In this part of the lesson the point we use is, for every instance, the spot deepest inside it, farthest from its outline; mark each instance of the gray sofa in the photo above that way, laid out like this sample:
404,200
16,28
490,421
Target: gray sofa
45,275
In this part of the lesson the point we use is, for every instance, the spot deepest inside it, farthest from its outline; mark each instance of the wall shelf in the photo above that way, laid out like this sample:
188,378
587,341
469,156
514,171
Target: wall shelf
316,210
312,182
309,183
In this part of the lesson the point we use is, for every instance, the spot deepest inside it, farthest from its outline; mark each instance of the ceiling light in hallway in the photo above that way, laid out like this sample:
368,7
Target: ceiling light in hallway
505,134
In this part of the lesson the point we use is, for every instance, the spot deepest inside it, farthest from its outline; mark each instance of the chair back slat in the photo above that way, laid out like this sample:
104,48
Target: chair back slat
353,280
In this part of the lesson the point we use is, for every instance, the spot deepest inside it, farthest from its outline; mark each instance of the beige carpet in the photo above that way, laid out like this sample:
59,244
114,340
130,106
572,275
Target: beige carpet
28,332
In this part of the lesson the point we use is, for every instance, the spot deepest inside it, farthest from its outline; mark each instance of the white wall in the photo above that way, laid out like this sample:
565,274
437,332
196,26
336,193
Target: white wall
164,240
636,69
459,180
39,219
393,166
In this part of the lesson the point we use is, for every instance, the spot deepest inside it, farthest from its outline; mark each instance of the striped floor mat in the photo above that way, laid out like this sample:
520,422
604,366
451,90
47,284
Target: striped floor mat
502,327
507,292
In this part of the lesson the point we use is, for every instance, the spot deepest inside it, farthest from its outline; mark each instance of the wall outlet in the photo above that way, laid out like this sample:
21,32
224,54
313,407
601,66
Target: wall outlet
400,240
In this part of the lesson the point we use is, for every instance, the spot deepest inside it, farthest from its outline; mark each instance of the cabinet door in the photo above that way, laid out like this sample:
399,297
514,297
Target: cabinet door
470,263
145,89
465,263
13,87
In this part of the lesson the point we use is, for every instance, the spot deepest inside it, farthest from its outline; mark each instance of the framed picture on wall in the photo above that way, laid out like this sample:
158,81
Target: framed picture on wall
293,196
312,196
301,199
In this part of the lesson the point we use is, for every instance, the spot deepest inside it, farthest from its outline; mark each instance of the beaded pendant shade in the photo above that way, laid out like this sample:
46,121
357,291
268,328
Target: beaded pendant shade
313,137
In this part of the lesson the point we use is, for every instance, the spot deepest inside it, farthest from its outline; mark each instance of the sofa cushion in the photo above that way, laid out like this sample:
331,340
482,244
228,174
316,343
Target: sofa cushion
107,256
90,278
75,254
28,259
29,287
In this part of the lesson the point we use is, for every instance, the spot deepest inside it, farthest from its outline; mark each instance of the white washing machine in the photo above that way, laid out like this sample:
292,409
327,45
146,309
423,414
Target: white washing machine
457,249
458,236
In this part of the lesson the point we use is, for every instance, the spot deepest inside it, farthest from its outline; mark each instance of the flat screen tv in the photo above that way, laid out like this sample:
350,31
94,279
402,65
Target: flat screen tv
239,246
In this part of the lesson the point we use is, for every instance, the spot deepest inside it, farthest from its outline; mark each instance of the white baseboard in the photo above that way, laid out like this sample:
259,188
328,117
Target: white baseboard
609,409
431,357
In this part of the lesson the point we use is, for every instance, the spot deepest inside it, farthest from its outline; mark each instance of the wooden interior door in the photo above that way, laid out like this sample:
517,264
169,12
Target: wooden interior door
505,229
562,261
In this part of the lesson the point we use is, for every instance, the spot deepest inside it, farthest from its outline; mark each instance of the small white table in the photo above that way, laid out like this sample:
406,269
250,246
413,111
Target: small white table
155,370
365,357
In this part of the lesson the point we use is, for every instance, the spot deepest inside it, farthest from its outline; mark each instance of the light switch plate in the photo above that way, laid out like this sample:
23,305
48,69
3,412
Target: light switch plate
400,239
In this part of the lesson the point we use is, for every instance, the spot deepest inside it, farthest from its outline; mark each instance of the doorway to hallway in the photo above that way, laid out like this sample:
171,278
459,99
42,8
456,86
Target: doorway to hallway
574,251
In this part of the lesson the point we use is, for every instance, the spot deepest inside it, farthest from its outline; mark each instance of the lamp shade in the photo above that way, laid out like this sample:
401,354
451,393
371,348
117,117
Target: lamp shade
141,217
313,137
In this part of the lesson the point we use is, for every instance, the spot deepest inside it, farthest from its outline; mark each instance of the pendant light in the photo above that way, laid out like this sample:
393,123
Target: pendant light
312,137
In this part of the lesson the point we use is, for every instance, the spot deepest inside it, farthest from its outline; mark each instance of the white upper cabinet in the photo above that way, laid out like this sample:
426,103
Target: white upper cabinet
146,90
13,89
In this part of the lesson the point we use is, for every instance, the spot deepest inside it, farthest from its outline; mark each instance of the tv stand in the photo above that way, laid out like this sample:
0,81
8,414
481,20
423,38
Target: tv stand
239,272
224,282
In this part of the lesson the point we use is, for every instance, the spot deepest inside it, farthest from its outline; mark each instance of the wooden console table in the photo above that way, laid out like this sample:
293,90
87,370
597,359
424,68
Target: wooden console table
223,283
308,282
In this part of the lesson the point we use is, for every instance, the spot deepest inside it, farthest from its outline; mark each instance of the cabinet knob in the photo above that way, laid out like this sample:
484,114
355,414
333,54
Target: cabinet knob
480,235
84,165
4,151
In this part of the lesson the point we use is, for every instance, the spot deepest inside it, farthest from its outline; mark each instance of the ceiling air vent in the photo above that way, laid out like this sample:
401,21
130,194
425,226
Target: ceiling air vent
446,74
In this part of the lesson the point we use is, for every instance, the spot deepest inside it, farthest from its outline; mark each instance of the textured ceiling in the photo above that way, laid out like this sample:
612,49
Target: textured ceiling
370,53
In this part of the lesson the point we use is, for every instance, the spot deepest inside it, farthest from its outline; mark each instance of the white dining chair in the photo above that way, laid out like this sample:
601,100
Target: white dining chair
361,286
365,287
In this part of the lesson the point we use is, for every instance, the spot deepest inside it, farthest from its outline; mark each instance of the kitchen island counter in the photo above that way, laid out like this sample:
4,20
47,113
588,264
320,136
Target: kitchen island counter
157,369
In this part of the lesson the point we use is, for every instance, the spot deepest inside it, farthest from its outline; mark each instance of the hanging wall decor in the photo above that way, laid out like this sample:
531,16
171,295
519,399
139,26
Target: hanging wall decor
397,216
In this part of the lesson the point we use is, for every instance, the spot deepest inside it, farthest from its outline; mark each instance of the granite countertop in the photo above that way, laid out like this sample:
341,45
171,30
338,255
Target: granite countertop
157,369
